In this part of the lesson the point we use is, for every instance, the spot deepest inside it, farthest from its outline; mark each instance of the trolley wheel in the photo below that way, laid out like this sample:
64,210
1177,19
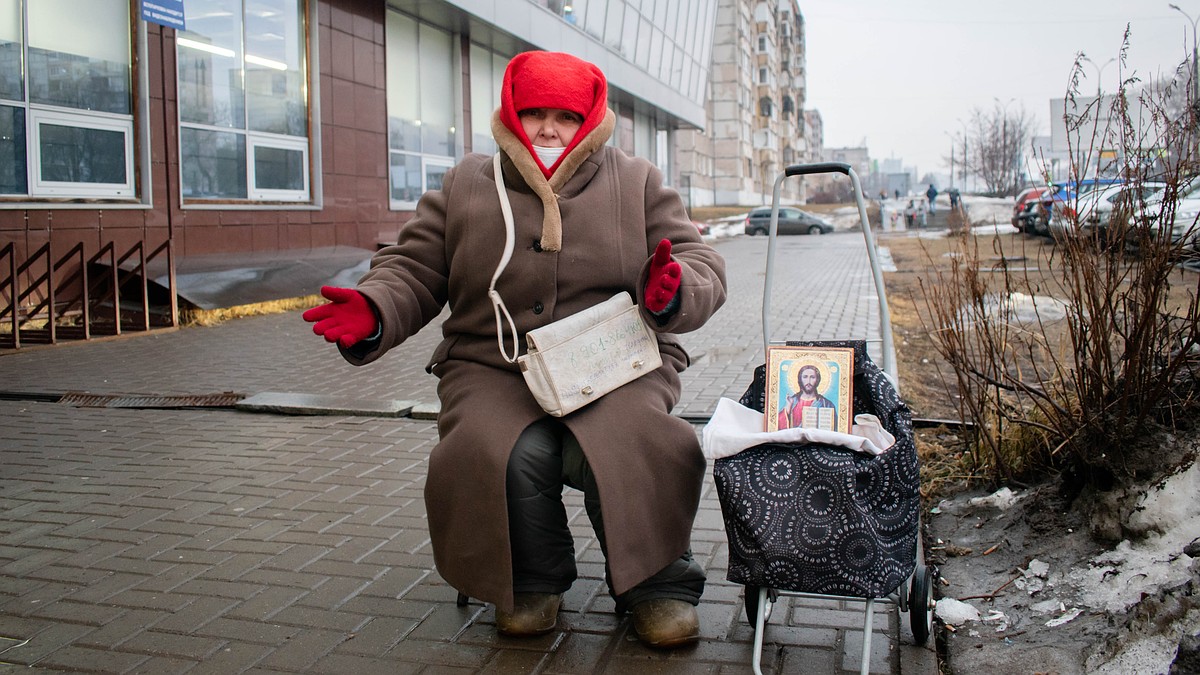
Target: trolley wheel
752,604
920,604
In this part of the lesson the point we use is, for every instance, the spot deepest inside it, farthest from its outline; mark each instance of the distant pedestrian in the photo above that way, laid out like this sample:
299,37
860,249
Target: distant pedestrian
954,197
931,193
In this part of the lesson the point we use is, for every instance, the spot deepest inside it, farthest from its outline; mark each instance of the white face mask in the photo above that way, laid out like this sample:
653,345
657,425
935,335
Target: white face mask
548,156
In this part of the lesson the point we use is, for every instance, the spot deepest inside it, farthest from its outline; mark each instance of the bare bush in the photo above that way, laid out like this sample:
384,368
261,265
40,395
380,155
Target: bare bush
1065,356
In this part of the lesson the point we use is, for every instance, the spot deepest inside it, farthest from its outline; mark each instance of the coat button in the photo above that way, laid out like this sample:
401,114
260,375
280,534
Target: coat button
538,307
537,246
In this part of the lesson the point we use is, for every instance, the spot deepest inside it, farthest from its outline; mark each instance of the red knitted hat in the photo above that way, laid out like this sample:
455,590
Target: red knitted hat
552,80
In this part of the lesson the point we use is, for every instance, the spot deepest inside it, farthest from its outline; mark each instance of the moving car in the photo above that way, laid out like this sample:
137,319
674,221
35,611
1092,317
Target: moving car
791,221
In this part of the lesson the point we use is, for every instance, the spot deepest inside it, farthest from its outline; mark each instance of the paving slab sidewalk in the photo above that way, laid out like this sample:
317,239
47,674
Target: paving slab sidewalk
242,540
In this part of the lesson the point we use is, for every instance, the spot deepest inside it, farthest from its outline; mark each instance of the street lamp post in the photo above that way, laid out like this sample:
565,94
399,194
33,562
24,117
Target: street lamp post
1099,72
963,170
1195,48
953,140
1100,105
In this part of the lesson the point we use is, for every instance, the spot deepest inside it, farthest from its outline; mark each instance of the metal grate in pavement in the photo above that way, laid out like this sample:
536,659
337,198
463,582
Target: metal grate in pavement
84,400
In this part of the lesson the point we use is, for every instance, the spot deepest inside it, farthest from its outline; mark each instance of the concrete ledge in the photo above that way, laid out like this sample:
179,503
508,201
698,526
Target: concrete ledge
426,411
312,404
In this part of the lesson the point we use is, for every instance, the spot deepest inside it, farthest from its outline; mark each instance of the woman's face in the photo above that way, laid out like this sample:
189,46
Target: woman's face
550,127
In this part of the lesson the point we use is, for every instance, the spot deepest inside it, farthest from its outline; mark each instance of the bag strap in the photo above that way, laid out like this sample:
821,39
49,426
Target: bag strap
498,307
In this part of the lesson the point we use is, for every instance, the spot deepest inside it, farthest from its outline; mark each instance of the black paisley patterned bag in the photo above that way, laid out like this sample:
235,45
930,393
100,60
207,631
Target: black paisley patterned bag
814,518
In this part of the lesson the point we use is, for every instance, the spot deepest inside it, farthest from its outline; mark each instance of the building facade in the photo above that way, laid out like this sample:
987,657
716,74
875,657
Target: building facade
815,134
756,120
264,129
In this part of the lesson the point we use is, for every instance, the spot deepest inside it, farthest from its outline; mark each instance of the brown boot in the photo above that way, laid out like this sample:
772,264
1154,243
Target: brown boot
533,614
663,623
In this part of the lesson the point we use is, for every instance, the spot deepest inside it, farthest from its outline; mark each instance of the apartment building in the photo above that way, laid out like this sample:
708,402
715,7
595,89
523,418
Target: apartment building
756,123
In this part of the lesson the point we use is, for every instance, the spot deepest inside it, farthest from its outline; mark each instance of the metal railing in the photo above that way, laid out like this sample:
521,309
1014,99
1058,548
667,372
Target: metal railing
101,295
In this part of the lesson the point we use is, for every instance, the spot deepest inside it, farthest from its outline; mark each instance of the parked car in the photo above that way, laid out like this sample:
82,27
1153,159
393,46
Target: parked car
1185,223
702,228
1020,217
1096,209
1038,212
791,221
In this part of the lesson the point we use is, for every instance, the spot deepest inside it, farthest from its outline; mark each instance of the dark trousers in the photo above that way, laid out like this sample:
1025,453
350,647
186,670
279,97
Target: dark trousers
545,459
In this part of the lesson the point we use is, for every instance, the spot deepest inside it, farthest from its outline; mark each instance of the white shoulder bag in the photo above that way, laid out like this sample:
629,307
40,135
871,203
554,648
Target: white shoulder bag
575,360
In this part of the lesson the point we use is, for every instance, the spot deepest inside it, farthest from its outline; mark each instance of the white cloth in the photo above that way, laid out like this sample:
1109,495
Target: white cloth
734,427
548,156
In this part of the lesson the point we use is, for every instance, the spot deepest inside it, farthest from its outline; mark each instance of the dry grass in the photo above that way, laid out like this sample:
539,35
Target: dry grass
212,317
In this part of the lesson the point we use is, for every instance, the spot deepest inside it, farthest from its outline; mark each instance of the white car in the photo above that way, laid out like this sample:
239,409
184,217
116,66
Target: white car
1185,222
1092,211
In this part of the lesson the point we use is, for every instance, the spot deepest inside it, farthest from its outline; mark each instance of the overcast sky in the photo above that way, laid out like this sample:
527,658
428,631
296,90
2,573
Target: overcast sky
900,75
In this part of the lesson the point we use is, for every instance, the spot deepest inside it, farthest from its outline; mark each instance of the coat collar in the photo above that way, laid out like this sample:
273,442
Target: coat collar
548,190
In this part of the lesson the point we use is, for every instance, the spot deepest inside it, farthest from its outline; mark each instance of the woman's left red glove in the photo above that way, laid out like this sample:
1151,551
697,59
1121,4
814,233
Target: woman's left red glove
663,281
347,319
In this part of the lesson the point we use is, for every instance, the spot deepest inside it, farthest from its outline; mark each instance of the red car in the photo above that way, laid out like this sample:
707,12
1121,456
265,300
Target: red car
1019,217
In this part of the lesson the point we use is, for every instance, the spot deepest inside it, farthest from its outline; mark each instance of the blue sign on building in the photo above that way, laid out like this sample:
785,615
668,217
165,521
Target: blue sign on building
167,13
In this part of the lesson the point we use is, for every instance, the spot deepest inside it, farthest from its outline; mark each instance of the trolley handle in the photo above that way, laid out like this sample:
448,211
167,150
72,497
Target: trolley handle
819,167
885,320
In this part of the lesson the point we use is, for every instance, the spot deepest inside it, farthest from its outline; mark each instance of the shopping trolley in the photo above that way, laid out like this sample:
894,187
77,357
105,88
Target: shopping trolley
815,520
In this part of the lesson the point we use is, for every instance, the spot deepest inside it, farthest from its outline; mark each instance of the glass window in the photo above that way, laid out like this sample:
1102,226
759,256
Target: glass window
612,31
672,25
437,92
646,37
594,24
79,55
658,65
243,101
81,155
278,172
422,104
405,177
12,48
216,163
274,67
71,154
487,79
66,129
633,41
209,58
481,99
13,180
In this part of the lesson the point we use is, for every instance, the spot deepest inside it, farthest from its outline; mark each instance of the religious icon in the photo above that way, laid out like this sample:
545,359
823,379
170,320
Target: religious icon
809,387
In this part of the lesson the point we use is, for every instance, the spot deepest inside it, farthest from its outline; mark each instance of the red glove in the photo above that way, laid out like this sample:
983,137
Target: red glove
345,320
663,281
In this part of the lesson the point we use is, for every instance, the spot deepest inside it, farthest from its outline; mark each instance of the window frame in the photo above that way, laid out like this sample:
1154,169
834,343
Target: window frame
137,191
428,159
288,143
37,115
310,197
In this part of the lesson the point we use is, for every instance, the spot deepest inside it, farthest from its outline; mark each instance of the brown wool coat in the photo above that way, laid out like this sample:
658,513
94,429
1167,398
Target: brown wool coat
614,210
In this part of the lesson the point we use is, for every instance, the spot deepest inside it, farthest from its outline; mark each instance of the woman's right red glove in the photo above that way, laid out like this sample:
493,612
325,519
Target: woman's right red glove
345,320
662,282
